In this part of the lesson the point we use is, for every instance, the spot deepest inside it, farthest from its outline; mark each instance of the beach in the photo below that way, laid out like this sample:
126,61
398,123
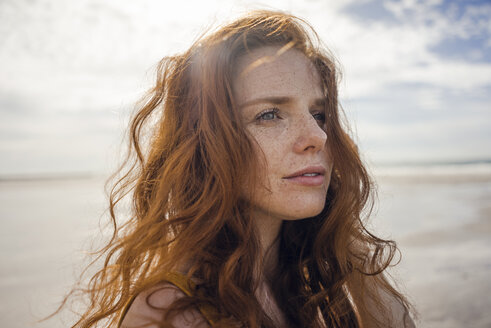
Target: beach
440,219
442,223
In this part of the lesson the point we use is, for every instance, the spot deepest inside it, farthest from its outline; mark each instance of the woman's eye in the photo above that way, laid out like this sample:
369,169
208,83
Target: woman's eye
320,117
268,115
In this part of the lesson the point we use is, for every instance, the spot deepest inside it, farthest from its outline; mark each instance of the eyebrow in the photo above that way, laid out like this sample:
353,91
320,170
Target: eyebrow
279,101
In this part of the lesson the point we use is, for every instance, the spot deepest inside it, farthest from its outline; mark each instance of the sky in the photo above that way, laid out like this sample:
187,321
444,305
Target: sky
416,74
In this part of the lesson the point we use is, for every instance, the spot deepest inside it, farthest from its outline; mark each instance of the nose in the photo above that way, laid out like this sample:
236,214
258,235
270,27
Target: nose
310,137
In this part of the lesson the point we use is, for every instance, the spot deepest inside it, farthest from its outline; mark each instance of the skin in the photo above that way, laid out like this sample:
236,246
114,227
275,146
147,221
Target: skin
160,297
281,107
281,104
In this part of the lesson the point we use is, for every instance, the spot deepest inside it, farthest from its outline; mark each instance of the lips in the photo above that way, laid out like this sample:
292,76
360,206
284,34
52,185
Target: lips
310,171
310,176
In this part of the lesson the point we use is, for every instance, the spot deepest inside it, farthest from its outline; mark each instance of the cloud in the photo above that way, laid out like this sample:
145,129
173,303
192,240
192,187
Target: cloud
419,122
409,98
73,70
409,46
59,141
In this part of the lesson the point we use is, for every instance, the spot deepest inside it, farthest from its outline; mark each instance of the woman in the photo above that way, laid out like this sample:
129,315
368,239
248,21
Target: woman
247,195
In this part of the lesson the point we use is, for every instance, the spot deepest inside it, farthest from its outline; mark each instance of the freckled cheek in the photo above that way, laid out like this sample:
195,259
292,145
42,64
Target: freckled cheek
276,160
282,185
268,146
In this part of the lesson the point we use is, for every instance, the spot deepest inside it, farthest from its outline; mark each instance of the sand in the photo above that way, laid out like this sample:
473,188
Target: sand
446,263
442,226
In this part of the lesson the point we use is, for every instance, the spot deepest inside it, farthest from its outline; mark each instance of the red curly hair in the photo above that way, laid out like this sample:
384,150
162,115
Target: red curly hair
189,156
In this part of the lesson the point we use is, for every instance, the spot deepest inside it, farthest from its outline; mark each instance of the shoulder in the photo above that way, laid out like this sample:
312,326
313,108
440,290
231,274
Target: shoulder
149,307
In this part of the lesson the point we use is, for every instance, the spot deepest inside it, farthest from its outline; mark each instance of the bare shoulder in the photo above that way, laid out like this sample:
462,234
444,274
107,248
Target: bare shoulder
148,309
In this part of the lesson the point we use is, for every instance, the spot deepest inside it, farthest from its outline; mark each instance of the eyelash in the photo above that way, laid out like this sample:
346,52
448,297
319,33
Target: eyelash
319,116
274,111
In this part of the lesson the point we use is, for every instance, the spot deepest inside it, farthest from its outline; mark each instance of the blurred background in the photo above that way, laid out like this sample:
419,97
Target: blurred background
416,89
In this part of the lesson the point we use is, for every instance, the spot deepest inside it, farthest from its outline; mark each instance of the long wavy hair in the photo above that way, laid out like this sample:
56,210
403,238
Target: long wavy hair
189,158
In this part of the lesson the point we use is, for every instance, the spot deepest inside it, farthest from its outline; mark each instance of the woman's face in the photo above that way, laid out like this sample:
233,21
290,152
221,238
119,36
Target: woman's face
282,107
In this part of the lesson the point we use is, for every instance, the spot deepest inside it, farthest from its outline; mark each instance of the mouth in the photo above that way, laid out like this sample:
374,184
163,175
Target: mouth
310,171
312,176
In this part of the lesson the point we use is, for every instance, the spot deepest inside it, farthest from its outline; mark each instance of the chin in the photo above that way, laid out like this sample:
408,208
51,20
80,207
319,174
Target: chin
305,210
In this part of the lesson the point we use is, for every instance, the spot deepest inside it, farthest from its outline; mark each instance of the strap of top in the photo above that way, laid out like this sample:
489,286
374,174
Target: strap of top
187,287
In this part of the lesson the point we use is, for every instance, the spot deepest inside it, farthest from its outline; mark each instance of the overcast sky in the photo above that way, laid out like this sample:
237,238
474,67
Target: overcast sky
416,74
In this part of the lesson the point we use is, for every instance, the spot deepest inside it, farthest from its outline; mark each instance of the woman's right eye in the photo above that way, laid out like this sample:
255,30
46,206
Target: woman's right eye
268,115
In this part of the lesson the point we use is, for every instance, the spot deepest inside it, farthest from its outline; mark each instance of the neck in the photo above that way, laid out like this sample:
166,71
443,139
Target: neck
268,229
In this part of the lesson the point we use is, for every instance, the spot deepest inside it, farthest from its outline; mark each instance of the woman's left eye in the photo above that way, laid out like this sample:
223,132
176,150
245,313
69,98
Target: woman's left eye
320,117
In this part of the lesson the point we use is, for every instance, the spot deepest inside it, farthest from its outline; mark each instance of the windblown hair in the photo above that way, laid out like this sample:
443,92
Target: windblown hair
189,158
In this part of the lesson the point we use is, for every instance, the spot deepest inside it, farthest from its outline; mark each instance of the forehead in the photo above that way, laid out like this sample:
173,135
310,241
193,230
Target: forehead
265,72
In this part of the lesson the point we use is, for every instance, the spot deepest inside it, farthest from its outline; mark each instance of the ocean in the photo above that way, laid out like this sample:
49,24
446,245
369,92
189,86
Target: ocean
439,215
